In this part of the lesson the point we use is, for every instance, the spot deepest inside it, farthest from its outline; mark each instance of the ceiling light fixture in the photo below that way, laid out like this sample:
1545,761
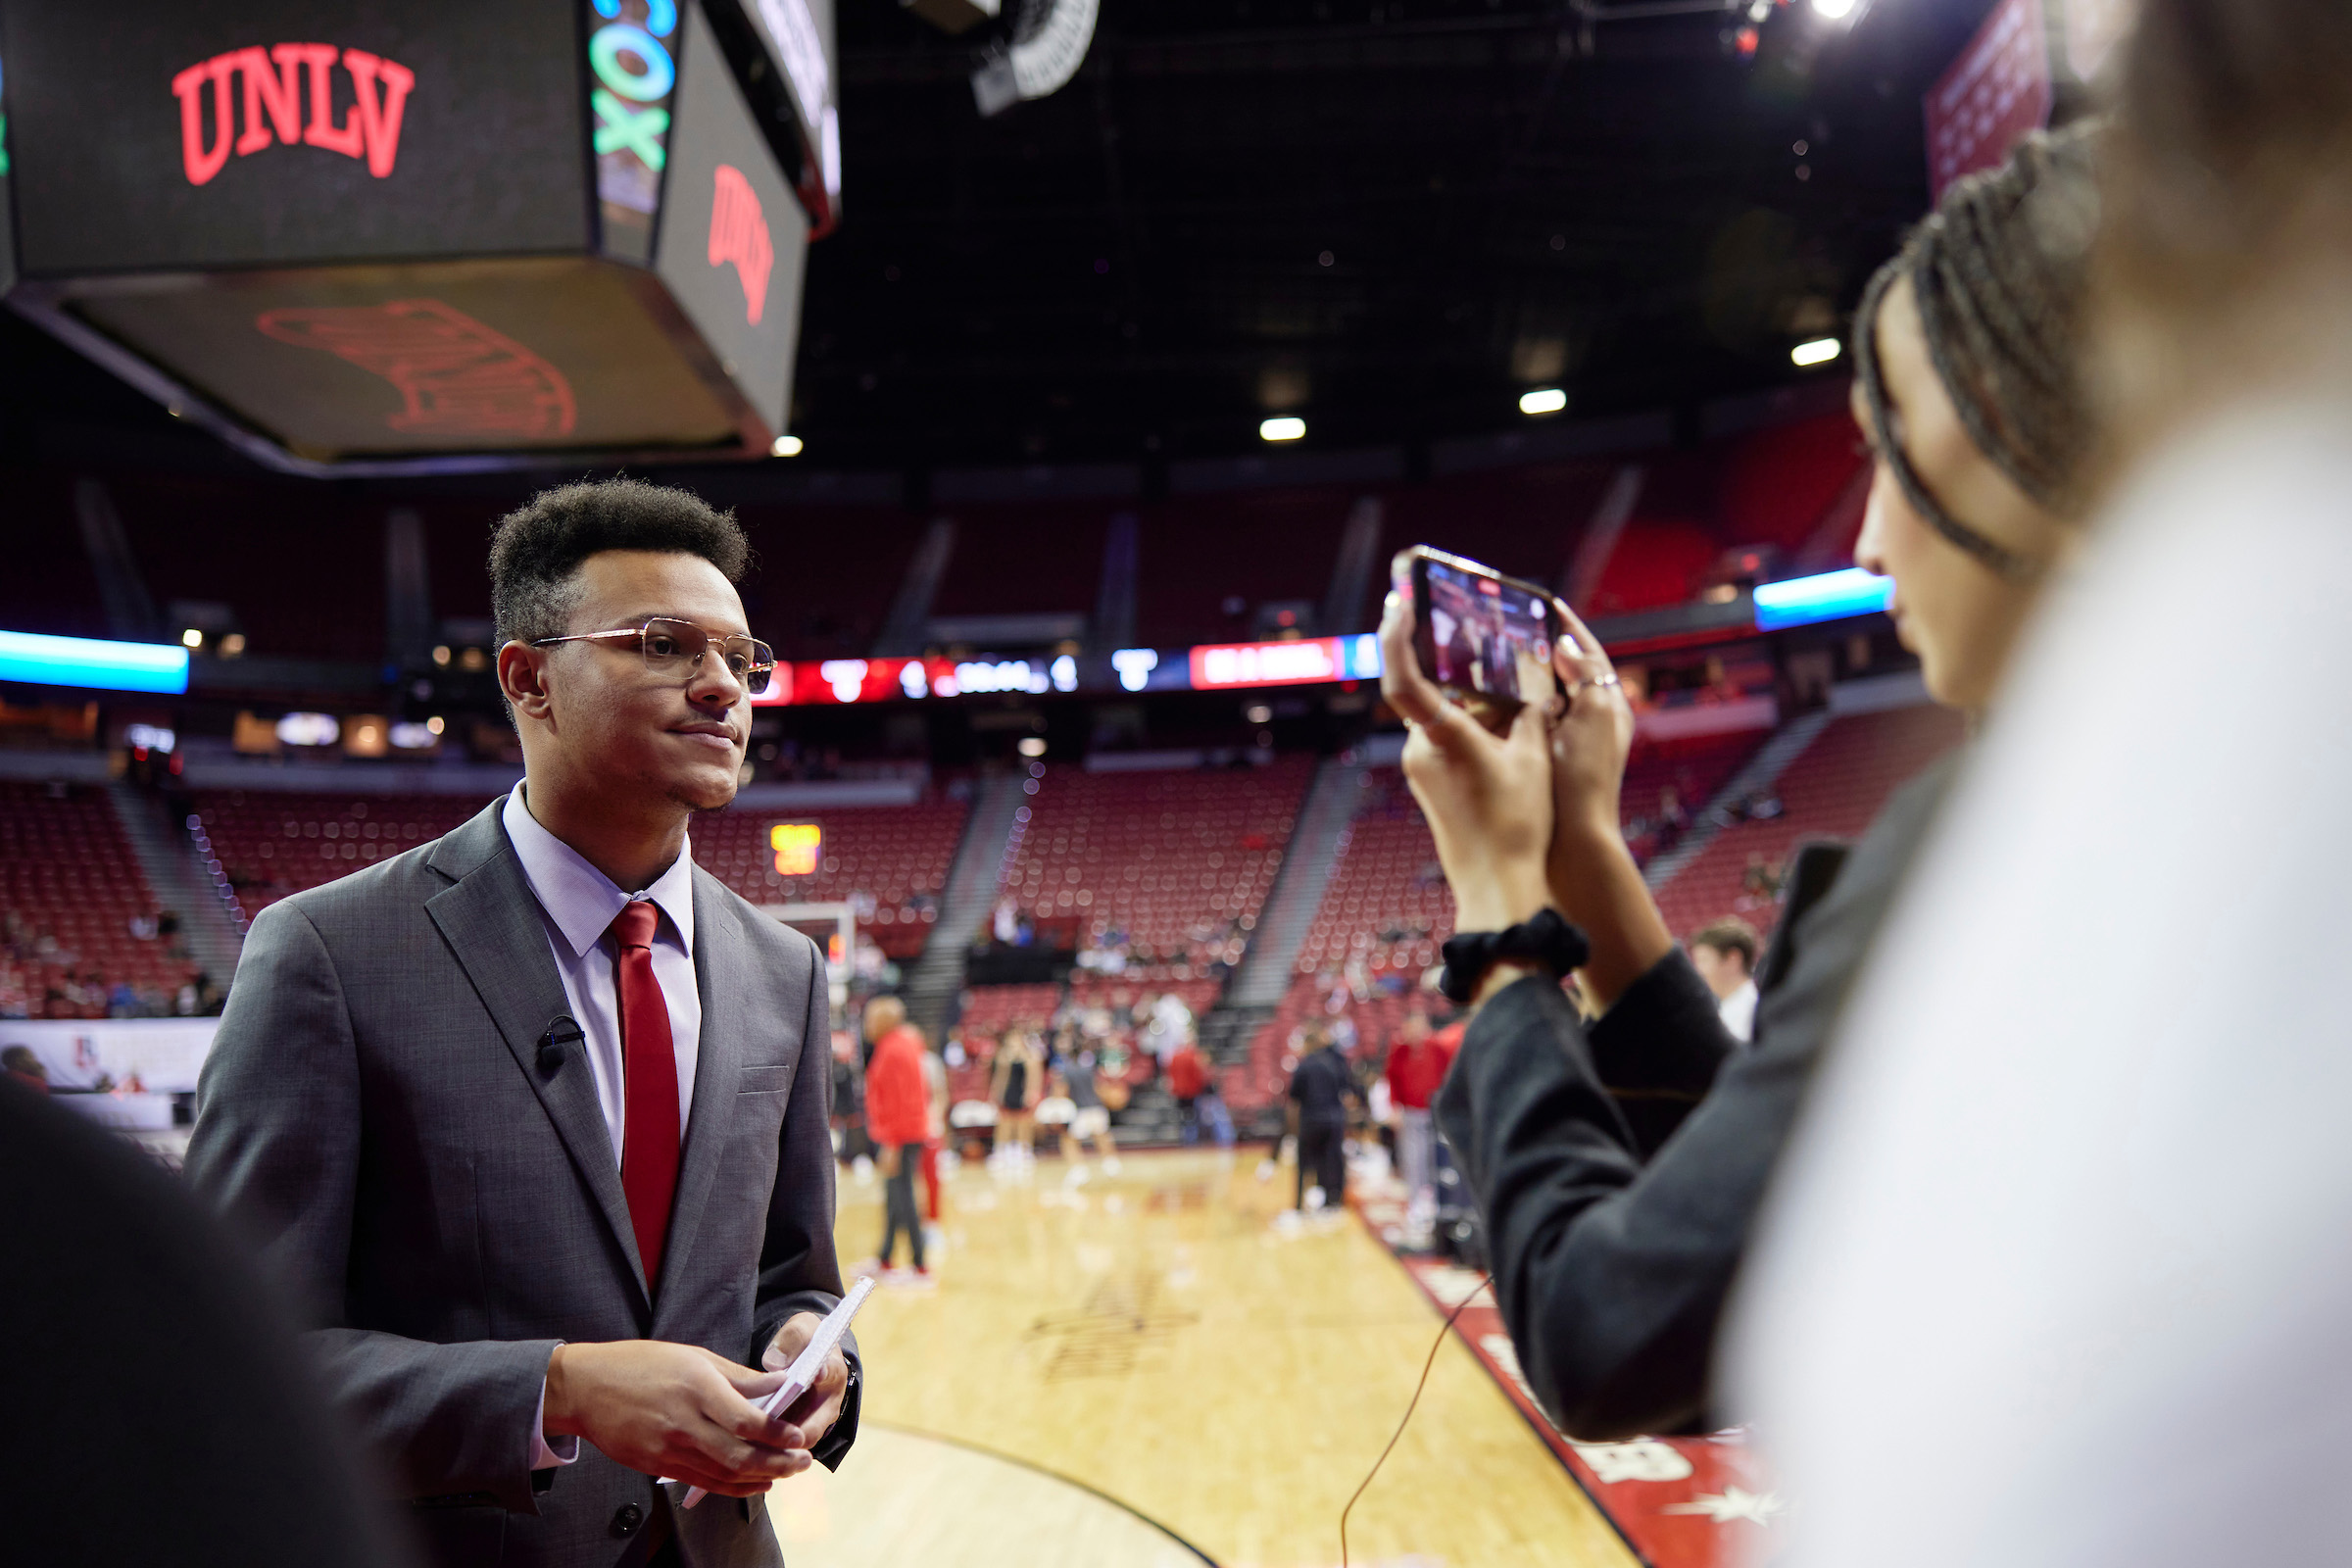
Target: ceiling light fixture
1289,427
1543,400
786,446
1817,351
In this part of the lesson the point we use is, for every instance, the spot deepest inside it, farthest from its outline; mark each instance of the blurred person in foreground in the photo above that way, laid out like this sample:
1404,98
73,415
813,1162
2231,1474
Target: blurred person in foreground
1725,956
1619,1166
898,1116
125,1304
25,1069
533,1117
2093,1261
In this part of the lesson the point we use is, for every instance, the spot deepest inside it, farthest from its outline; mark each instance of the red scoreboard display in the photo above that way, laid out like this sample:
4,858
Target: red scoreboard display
377,236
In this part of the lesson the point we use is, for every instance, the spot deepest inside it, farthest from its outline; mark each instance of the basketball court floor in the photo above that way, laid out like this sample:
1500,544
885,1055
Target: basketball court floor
1159,1369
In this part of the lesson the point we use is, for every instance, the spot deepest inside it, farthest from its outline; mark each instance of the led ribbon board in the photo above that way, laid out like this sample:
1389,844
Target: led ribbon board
1832,596
92,664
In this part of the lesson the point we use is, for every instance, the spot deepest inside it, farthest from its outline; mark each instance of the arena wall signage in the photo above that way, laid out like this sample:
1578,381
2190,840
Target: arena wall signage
377,237
1235,667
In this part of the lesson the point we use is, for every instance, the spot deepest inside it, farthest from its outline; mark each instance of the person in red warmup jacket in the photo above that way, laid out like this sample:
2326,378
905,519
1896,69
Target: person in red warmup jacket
1417,1064
897,1118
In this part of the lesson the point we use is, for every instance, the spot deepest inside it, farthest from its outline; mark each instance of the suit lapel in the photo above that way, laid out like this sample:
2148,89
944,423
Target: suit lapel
718,950
490,919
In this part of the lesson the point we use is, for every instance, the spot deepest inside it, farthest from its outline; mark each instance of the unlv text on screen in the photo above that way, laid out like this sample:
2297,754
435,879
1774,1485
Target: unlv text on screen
272,82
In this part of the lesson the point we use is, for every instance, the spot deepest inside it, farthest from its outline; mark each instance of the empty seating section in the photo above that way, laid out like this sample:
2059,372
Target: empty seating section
1387,903
1693,770
1251,546
1779,484
272,845
294,538
49,586
829,572
70,889
1524,522
998,567
889,861
1173,861
1832,790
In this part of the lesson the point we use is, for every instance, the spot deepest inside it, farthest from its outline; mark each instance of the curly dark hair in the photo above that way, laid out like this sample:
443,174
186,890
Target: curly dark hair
536,553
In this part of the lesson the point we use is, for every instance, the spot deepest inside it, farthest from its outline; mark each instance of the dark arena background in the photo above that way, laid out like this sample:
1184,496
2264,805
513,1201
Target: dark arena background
1075,373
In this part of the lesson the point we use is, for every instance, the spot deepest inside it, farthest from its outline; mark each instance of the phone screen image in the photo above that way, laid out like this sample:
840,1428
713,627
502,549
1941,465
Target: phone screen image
1479,627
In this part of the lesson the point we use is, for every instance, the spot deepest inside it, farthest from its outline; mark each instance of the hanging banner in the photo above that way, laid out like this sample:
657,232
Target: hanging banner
1996,93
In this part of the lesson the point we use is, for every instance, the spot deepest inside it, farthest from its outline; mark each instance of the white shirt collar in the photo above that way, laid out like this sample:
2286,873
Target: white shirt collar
583,902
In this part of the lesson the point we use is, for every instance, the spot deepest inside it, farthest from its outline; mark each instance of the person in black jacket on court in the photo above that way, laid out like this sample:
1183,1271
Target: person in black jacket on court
1619,1166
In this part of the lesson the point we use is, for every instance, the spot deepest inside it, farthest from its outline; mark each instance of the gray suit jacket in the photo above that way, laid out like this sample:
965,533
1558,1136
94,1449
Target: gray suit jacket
389,1116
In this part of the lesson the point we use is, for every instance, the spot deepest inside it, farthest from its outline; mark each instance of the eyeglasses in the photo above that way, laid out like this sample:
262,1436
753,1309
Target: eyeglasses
674,650
1886,441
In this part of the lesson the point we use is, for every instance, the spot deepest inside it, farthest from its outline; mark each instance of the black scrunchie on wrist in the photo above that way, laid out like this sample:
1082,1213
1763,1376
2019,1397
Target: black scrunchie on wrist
1547,939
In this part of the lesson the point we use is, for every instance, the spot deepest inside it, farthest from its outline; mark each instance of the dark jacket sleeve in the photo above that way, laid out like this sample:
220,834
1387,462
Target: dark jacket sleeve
277,1148
798,1270
1659,1048
1612,1273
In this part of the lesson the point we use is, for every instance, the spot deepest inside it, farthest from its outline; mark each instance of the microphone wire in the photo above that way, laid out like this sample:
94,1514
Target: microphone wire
1485,1282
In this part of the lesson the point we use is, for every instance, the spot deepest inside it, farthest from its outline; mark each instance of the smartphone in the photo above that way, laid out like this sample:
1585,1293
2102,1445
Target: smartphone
1471,624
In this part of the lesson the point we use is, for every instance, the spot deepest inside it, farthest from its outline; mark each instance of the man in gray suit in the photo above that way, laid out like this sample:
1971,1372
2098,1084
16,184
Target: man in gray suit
535,1115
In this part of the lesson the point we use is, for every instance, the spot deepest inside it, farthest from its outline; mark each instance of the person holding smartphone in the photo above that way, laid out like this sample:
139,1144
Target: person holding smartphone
1615,1242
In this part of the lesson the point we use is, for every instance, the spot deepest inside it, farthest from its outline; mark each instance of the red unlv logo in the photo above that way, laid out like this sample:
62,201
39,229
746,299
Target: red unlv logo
455,376
273,81
739,234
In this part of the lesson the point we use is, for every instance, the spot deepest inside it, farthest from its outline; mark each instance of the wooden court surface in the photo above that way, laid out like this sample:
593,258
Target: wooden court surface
1154,1369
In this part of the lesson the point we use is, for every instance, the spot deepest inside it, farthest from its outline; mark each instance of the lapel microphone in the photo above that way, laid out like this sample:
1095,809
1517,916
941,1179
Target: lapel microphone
562,1032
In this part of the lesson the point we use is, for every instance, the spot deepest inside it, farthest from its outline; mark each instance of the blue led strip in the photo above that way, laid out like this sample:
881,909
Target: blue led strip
85,661
1832,596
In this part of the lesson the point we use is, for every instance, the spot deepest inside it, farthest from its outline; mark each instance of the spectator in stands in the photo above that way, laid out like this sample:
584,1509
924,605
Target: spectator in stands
897,1118
1614,1245
2071,1247
1015,1087
25,1069
1321,1086
1725,956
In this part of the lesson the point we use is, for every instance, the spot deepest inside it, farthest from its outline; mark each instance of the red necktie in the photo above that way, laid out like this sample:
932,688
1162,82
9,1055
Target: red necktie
649,1146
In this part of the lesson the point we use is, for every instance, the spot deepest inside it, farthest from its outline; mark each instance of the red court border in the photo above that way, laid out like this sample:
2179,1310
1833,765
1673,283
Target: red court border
1650,1489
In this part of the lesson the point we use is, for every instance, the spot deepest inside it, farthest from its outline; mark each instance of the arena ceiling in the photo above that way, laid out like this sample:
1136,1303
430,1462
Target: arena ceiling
1388,216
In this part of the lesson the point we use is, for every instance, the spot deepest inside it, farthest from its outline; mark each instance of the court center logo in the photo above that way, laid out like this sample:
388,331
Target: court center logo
739,234
273,82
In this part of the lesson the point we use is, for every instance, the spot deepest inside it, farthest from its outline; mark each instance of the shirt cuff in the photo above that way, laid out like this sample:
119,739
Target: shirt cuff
544,1455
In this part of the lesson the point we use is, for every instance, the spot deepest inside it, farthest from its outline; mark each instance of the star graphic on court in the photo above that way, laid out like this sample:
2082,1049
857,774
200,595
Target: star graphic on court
1733,1502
